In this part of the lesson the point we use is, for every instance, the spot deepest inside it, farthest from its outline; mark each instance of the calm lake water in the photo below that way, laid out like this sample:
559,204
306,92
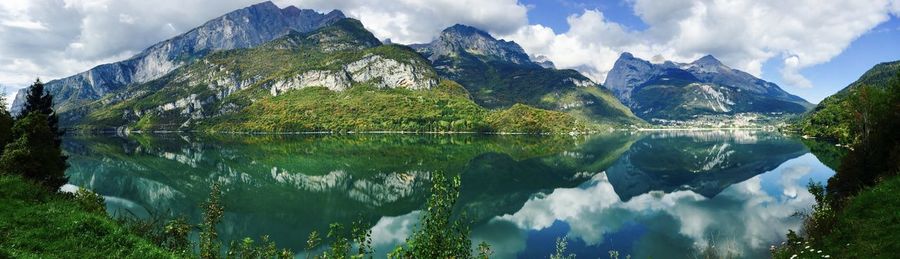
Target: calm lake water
662,194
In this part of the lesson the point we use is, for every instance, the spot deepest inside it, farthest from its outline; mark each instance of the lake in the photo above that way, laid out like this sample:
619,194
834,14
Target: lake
663,194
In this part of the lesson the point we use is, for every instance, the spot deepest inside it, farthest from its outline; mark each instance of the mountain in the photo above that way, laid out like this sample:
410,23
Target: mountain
833,118
499,74
335,78
683,91
264,68
243,28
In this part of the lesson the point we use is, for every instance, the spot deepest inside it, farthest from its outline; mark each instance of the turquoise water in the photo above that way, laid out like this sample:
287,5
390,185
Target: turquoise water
671,194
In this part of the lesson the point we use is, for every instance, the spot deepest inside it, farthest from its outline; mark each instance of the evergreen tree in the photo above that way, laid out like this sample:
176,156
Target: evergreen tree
35,153
6,124
39,101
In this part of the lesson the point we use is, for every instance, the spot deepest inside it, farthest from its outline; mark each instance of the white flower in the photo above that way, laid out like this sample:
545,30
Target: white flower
793,256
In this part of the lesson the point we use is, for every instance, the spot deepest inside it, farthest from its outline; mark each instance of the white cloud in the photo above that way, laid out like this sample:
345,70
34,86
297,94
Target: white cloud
417,21
895,7
791,72
744,34
57,38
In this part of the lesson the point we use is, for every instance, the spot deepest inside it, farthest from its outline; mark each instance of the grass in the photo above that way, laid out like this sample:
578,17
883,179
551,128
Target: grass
37,224
870,224
868,227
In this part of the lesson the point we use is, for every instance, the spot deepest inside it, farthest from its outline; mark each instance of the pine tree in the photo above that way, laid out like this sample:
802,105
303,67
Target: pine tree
6,124
35,153
39,101
34,150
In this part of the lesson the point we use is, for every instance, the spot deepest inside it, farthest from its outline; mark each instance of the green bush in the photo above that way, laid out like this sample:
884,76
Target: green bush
35,153
438,235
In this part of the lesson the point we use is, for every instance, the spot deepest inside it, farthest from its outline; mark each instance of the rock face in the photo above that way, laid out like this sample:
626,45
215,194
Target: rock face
680,91
382,72
499,74
337,57
244,28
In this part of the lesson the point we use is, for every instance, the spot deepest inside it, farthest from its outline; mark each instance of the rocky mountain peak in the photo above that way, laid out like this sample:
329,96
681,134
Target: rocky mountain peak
463,39
627,72
719,88
345,34
708,60
243,28
465,31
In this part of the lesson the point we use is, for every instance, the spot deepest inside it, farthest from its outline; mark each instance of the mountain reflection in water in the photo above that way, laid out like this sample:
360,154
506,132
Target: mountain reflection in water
648,194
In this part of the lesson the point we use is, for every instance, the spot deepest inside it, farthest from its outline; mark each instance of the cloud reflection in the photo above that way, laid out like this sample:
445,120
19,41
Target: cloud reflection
743,220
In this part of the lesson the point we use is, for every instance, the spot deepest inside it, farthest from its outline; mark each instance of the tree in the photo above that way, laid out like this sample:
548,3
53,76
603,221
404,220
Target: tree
439,235
6,124
35,153
39,101
876,155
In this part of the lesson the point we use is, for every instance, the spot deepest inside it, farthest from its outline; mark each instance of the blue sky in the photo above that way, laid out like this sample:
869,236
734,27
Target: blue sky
881,44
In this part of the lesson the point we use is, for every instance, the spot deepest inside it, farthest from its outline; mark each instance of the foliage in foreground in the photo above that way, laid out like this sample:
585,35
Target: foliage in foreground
867,227
439,236
34,153
855,216
30,144
35,223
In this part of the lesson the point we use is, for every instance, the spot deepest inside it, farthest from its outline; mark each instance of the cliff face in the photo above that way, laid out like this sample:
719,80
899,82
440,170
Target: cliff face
338,57
244,28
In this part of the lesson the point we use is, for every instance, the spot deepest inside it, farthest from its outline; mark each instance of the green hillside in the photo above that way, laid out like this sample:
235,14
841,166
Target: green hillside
833,118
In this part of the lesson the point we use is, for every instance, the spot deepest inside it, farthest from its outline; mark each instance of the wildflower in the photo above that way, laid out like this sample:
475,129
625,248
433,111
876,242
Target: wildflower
826,256
793,256
820,251
807,247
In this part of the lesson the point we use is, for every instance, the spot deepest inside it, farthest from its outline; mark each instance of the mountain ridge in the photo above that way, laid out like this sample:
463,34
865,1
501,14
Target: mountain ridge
832,118
500,74
706,86
246,27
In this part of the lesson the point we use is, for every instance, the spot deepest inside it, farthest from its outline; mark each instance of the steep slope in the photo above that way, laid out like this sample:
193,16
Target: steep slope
679,91
336,78
244,28
500,74
833,118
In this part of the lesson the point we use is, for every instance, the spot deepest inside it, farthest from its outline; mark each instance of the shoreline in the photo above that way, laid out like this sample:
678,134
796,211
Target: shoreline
631,130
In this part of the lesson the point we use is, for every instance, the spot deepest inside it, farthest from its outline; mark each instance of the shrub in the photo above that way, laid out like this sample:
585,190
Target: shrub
35,153
438,235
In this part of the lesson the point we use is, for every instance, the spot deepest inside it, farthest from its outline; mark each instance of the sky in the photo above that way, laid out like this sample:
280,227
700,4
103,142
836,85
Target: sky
811,48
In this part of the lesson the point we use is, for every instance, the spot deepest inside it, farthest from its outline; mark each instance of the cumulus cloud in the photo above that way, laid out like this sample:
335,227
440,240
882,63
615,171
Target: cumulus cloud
791,72
57,38
895,7
744,34
417,21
